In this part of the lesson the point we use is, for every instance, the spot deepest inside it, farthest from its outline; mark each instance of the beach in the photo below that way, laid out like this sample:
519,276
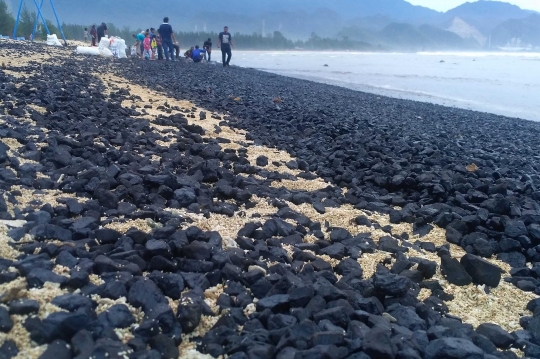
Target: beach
182,210
479,81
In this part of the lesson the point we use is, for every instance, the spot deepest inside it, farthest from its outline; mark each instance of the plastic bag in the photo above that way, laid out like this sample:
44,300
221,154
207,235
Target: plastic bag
104,43
82,50
133,51
121,48
52,40
105,52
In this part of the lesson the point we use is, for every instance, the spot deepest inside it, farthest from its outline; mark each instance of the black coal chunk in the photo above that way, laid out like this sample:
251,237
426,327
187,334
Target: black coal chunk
145,294
481,271
452,348
23,306
58,349
8,349
454,272
5,321
497,335
391,284
378,344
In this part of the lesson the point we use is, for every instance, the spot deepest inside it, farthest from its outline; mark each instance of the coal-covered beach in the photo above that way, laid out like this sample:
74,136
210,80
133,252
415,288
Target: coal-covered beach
164,210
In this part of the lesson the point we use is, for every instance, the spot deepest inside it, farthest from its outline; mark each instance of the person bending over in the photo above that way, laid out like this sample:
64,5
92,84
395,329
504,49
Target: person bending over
208,47
140,41
226,43
177,51
196,54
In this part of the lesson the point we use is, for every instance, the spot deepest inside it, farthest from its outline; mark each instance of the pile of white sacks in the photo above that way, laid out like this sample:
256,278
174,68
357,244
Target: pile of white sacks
108,47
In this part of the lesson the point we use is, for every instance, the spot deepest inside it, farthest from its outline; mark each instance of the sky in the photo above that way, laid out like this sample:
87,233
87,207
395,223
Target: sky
444,5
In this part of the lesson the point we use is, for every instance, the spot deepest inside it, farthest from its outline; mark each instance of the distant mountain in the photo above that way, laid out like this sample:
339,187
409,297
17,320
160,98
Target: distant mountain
466,31
374,23
518,32
388,23
188,14
407,37
485,15
443,39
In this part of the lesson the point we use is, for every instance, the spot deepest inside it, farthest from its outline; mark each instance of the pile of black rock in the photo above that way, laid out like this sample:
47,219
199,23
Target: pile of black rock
389,153
474,174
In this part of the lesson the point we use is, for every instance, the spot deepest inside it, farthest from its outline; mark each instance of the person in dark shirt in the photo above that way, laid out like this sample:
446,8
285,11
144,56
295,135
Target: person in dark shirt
93,34
167,36
208,47
196,54
225,42
102,31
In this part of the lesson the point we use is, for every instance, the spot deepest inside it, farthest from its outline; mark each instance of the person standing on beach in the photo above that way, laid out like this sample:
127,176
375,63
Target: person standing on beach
93,33
102,31
85,34
208,47
153,37
147,43
167,37
225,42
159,44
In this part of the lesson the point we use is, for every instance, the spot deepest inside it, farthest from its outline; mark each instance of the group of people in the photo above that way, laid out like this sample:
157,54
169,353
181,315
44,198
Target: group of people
152,45
197,54
96,33
224,42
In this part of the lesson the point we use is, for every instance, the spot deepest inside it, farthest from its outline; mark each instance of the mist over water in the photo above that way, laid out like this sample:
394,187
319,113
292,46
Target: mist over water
502,83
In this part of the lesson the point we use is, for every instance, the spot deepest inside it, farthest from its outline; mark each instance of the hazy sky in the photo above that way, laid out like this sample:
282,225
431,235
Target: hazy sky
444,5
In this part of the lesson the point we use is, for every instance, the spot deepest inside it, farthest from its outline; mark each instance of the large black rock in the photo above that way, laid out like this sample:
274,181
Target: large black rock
481,271
454,272
453,348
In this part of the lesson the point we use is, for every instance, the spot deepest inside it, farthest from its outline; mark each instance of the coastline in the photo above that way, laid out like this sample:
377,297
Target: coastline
340,164
474,81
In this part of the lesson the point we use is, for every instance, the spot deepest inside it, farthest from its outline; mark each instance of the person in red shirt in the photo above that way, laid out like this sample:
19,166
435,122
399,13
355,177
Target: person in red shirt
147,46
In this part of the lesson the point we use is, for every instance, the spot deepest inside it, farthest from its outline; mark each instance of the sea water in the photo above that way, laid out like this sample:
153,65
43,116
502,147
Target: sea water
501,83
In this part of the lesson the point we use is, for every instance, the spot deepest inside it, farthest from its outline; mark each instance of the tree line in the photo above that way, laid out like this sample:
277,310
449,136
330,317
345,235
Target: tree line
255,41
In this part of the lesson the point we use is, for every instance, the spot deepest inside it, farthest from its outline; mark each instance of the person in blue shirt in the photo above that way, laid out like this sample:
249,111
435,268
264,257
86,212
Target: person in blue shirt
167,36
196,54
140,43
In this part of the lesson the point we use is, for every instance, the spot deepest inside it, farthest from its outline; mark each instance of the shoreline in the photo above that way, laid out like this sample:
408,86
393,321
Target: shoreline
291,174
466,80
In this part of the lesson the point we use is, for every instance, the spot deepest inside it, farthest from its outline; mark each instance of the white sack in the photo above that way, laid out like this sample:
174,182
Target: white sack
104,43
105,52
82,50
52,40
